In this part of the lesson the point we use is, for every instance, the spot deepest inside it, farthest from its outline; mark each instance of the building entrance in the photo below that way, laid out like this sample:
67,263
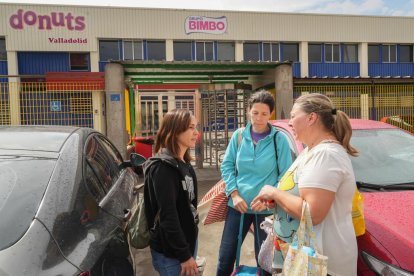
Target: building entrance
153,105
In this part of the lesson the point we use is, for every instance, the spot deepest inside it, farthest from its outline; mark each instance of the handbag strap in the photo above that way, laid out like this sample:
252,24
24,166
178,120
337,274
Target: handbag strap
305,234
239,240
240,237
277,159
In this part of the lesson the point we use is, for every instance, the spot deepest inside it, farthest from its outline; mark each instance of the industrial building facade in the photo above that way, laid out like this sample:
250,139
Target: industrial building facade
36,39
39,40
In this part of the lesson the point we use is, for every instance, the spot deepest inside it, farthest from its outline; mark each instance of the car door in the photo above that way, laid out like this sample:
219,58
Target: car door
117,183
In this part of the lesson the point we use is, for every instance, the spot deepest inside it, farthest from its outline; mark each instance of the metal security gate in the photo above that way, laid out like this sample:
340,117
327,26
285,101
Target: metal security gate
4,104
43,103
153,105
222,112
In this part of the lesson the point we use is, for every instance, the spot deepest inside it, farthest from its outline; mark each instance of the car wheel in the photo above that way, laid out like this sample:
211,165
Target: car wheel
114,266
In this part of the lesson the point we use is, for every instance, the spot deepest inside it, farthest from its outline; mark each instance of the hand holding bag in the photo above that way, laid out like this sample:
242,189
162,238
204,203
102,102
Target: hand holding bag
302,255
266,253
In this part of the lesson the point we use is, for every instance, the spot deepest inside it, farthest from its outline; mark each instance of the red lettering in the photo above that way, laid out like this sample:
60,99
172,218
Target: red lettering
220,26
192,25
30,18
42,20
47,22
203,25
16,21
80,23
69,18
212,25
58,21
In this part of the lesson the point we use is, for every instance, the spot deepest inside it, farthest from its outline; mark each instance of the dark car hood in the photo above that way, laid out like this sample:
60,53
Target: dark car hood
389,218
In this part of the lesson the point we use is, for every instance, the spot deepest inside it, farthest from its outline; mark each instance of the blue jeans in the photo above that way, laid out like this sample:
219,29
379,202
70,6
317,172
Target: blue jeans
168,266
228,246
165,266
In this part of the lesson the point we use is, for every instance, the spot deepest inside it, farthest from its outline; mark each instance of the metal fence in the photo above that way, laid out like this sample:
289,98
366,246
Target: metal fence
4,105
225,111
222,112
43,103
371,101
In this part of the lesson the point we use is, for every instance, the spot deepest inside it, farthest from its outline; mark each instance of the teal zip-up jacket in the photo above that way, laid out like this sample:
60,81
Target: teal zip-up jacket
255,166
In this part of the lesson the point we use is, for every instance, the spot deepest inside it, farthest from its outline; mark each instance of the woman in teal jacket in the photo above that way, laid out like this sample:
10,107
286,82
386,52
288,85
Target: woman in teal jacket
257,155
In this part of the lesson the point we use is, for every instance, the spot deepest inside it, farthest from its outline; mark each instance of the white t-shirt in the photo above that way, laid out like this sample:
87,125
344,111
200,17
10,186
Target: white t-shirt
329,167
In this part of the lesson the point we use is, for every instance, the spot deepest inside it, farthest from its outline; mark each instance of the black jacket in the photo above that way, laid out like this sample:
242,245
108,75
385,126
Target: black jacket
175,234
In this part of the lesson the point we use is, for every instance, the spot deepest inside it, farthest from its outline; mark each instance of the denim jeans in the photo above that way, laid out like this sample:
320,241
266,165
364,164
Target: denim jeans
165,266
228,246
168,266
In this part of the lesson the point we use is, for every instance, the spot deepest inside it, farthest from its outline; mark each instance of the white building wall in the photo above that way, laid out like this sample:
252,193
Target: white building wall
140,23
363,59
23,26
303,56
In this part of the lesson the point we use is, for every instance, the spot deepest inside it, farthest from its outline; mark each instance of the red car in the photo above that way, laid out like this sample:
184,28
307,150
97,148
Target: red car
384,172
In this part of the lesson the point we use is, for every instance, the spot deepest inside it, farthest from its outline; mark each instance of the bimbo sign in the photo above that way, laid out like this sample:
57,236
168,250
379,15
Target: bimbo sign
203,24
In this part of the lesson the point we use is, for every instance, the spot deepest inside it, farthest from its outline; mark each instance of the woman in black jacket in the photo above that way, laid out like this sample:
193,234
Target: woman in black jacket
170,195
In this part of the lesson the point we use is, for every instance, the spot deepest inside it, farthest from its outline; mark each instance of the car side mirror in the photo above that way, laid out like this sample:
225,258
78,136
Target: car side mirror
137,159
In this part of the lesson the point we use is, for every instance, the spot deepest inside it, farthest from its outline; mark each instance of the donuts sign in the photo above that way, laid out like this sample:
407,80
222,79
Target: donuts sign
203,24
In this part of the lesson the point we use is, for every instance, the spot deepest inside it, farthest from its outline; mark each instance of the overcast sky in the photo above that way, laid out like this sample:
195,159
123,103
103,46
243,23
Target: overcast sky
362,7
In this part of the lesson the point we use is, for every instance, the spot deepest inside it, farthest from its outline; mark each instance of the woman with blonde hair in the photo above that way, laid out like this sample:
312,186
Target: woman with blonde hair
322,175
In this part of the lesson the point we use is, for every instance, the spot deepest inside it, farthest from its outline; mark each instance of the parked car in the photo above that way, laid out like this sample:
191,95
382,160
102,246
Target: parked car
384,172
65,197
405,122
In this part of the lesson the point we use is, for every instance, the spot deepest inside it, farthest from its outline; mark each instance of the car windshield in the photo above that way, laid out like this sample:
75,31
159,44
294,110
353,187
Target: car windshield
386,156
23,181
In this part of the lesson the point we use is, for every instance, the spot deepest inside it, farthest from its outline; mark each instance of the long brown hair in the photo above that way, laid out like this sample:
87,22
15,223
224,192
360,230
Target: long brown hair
332,119
175,122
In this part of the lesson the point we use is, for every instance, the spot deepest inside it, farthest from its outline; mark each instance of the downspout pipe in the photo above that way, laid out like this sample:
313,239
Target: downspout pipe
132,108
